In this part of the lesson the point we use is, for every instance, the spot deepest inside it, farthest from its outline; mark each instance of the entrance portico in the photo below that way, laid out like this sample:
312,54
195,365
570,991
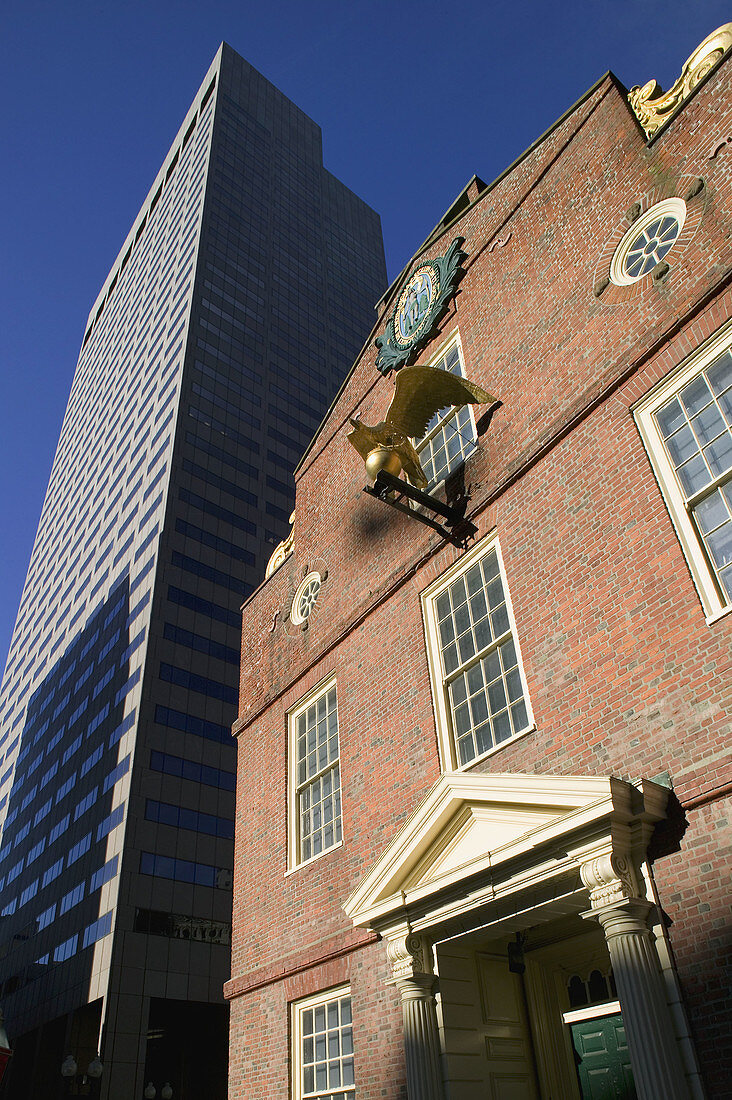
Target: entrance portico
552,867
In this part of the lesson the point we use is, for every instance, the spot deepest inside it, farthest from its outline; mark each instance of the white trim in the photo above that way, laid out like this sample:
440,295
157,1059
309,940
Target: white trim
443,719
296,617
592,1012
453,339
673,208
709,590
294,863
297,1008
295,867
472,828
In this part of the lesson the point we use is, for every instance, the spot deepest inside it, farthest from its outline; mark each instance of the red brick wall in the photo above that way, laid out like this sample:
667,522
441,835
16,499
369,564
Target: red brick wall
260,1046
625,676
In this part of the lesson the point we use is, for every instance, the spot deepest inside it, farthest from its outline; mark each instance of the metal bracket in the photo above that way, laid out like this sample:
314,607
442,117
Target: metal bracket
396,492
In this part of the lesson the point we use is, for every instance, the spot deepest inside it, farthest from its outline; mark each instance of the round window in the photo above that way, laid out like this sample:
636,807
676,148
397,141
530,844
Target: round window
648,241
305,598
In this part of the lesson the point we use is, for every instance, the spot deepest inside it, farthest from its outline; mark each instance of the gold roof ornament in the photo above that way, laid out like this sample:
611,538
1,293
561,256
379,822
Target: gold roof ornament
419,393
282,551
653,106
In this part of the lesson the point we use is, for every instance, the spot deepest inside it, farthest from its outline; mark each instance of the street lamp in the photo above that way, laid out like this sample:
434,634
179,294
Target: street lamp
166,1092
94,1072
87,1084
68,1072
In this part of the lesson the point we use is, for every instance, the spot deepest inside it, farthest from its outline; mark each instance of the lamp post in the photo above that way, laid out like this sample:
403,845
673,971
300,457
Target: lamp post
68,1072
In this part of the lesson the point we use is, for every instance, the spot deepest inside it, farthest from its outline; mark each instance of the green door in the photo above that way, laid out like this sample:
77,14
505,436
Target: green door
603,1063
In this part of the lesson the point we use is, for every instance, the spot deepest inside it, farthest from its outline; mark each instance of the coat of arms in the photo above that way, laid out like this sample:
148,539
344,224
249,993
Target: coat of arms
420,305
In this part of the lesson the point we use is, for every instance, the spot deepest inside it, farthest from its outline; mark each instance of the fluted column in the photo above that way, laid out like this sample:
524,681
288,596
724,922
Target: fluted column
654,1052
411,973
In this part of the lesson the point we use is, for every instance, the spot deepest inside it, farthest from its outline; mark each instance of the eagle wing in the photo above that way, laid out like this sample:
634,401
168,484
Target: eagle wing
420,392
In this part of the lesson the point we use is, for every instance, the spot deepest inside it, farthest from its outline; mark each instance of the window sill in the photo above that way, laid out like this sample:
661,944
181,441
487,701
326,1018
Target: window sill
313,859
496,748
711,619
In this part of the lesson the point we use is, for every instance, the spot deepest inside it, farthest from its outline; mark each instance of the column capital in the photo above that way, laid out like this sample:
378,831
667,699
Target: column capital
610,878
410,957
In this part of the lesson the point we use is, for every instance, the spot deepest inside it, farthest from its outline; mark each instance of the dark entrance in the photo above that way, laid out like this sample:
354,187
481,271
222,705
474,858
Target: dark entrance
603,1062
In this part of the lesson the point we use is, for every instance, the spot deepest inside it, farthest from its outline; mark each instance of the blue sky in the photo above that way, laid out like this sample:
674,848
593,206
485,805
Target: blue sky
413,99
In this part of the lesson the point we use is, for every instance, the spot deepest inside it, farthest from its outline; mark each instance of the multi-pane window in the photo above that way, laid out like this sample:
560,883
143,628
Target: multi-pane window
316,801
687,428
450,437
323,1042
480,693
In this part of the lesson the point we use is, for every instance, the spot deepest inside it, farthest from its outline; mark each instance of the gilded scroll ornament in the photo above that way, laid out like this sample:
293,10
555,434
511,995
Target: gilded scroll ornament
282,551
653,106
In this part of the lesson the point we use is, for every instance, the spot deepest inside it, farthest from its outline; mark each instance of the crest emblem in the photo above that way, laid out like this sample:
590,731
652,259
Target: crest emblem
421,304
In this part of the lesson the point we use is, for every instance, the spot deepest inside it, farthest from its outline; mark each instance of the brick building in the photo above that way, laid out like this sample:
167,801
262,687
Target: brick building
484,781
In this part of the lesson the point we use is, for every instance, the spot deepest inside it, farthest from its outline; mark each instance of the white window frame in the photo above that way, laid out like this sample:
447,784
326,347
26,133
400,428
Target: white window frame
443,716
294,862
709,589
452,340
297,1009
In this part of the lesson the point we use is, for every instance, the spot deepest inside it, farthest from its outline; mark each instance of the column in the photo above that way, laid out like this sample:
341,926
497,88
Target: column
654,1052
409,956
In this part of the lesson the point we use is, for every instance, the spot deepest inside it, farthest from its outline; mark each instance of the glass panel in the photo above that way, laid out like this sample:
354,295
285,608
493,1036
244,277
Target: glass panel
501,727
720,545
447,631
499,620
711,512
519,717
462,618
466,647
681,445
720,373
670,418
708,424
483,634
450,658
719,454
695,396
694,475
483,738
442,606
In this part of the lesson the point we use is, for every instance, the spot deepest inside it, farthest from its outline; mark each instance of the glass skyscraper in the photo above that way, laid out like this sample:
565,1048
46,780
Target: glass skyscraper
238,301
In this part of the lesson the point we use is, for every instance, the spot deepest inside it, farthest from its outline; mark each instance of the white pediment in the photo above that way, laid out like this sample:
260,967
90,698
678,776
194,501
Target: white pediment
470,823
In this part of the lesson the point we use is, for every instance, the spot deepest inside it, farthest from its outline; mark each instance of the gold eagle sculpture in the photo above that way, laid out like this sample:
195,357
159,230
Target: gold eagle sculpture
419,393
